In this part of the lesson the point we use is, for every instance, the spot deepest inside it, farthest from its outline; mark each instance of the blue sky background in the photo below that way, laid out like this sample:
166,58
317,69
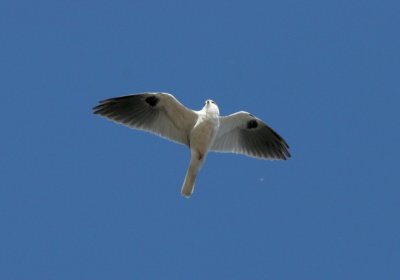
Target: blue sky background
84,198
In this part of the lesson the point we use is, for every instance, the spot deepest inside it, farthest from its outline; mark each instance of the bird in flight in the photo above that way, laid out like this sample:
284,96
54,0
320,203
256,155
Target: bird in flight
202,131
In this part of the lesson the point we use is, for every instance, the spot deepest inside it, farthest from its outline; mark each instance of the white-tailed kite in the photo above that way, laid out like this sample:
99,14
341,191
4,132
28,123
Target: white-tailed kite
202,131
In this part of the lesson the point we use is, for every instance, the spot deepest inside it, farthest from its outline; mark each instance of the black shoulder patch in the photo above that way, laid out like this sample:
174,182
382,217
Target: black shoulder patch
152,100
252,124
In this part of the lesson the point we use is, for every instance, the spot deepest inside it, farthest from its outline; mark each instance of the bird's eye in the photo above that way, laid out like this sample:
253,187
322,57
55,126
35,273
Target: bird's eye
212,102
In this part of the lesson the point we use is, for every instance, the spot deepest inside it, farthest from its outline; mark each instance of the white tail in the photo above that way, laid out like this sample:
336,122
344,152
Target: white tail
191,174
188,184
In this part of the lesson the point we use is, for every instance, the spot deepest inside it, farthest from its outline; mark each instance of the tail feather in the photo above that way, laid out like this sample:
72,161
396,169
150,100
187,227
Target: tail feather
191,174
188,184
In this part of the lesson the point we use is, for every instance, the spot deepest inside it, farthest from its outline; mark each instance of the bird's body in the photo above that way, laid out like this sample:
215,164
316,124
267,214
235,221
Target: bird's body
201,138
201,131
205,129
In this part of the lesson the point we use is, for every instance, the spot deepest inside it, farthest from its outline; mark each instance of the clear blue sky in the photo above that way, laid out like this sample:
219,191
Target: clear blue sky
84,198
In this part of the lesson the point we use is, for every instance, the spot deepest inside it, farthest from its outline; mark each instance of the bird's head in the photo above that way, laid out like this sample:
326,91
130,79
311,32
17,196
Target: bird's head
211,106
209,101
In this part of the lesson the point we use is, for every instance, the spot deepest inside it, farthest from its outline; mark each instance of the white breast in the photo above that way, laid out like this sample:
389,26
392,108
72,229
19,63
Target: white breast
204,132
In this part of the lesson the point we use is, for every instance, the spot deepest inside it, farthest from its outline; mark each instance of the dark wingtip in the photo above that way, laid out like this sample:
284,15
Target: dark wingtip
103,104
99,107
95,109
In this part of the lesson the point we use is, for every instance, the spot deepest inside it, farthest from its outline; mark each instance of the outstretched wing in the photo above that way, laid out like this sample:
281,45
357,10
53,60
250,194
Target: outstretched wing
243,133
158,113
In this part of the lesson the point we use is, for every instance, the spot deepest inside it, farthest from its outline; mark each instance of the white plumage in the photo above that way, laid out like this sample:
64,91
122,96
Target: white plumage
204,130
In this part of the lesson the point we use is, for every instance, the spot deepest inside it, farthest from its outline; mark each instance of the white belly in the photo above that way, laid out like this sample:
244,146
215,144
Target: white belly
203,134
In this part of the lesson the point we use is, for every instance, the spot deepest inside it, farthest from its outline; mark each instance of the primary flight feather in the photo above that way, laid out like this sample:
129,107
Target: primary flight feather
202,131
